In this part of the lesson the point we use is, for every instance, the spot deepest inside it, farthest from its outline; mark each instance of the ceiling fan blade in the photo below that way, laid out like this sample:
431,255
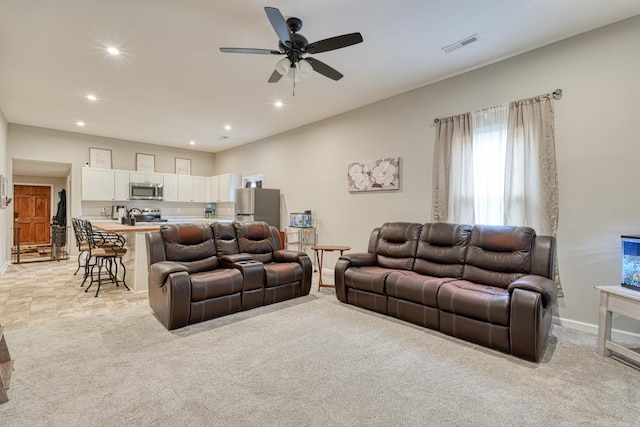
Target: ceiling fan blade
334,43
280,26
249,50
324,69
275,77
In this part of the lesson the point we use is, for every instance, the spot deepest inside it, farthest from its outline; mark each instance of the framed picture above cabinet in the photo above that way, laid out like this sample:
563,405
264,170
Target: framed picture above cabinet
145,162
100,158
183,166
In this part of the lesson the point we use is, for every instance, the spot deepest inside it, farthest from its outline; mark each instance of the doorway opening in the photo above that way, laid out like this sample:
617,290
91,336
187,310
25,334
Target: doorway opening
39,227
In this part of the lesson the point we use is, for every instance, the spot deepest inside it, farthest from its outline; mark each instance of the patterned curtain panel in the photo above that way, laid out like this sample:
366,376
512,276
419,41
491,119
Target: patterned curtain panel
530,172
453,195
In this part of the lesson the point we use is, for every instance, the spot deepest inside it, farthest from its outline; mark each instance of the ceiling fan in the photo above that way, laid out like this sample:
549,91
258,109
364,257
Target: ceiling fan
294,46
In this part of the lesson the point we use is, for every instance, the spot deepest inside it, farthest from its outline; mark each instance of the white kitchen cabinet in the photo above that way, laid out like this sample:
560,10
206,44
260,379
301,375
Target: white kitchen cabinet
105,184
170,187
185,188
146,177
98,184
121,185
192,188
213,193
222,188
199,189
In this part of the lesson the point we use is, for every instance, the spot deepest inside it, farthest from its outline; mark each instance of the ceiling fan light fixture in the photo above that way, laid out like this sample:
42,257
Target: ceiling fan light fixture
304,68
283,66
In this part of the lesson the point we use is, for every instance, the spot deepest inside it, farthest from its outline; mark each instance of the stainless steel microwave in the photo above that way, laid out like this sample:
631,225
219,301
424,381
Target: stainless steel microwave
145,191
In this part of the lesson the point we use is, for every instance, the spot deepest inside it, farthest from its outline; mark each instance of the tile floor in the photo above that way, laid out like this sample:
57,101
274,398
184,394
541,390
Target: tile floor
35,293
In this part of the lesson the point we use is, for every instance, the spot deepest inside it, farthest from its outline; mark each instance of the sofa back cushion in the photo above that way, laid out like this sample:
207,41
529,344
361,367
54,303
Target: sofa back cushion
254,237
498,255
441,249
191,245
397,242
225,237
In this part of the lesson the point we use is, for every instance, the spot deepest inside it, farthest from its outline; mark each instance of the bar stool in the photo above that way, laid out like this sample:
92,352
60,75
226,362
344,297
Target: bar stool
106,250
81,241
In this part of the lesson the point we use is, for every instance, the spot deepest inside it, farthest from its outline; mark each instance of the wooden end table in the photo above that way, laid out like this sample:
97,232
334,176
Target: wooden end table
320,250
619,300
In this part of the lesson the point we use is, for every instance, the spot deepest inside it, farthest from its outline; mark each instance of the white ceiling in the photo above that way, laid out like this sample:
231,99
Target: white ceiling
172,84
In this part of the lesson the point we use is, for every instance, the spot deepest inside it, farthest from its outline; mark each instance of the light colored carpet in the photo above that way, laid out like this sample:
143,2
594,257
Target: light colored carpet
307,362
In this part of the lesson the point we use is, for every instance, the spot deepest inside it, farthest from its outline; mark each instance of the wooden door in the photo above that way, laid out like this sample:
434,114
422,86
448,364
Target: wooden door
32,213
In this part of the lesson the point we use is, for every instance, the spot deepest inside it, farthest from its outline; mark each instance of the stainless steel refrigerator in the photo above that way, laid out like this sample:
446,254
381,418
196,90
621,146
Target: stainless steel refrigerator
258,204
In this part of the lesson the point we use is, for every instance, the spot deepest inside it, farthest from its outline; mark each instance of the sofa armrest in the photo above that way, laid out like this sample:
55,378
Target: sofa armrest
159,272
287,256
344,263
171,301
545,287
361,259
232,259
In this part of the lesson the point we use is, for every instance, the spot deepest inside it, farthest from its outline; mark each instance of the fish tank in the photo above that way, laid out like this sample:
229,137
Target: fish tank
631,262
300,219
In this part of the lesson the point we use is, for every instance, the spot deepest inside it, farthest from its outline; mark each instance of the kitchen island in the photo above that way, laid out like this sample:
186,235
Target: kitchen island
135,260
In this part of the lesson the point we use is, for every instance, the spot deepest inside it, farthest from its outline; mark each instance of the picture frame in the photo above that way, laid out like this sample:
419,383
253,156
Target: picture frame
374,175
100,158
183,166
145,162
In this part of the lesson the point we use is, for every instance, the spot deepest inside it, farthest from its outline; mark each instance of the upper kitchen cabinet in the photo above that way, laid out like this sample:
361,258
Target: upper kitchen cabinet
222,188
147,177
192,188
105,184
170,187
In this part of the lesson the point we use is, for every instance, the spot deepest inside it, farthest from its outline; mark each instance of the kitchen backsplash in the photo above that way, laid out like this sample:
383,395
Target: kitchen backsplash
169,210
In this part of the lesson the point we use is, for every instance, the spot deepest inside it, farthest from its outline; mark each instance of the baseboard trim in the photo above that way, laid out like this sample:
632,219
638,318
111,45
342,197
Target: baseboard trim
4,267
616,334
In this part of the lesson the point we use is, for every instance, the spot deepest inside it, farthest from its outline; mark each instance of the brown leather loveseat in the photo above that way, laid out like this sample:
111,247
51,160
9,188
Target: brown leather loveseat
200,271
490,285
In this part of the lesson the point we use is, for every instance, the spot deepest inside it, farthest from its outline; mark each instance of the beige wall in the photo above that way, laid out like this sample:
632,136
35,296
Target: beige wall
33,143
596,143
5,217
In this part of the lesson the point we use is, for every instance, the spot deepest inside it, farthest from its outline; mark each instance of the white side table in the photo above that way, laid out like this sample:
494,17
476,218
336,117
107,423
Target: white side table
619,300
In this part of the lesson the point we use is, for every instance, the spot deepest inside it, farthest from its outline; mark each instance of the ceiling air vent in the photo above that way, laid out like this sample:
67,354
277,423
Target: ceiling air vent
461,43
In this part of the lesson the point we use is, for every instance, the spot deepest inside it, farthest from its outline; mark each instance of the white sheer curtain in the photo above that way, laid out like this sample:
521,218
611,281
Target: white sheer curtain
497,166
489,130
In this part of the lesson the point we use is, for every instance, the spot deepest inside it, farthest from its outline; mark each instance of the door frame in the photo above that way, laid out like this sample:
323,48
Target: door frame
52,206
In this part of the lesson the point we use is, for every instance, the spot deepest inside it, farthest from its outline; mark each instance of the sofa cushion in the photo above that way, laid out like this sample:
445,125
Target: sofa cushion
215,283
369,278
441,249
191,245
396,246
255,238
282,273
485,303
498,255
411,286
226,241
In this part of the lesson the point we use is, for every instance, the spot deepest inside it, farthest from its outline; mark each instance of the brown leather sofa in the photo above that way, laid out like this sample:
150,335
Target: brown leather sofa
490,285
201,271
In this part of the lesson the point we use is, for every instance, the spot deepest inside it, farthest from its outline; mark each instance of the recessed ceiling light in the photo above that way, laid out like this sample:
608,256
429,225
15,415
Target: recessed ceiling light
91,97
113,50
278,104
80,123
192,142
227,127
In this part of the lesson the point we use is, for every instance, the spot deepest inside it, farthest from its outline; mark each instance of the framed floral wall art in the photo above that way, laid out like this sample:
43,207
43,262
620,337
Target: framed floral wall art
374,175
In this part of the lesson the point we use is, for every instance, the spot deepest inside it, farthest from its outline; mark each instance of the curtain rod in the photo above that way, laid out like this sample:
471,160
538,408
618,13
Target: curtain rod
557,94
